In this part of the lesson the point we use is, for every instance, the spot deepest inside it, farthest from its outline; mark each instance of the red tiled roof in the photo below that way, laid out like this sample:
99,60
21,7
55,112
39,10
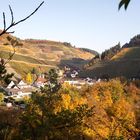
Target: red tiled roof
40,79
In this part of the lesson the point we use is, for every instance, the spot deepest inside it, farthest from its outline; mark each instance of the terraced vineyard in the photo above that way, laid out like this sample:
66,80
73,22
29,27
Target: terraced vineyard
41,54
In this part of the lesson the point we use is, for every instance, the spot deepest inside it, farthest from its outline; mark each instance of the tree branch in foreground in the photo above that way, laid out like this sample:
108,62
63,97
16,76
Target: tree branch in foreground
13,23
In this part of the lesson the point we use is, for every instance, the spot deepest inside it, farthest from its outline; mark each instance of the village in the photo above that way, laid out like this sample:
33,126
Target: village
17,91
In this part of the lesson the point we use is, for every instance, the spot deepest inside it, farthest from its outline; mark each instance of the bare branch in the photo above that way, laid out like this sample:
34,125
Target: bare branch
29,15
4,21
11,32
15,23
12,15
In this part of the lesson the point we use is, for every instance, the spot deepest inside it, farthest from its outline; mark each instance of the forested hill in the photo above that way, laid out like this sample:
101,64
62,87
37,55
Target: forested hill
111,52
90,51
106,55
134,42
116,61
41,54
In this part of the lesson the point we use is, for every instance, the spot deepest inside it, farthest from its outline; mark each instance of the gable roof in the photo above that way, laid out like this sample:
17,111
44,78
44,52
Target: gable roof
40,80
11,84
21,83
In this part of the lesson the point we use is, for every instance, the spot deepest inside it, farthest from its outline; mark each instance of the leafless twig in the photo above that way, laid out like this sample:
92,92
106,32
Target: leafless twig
13,23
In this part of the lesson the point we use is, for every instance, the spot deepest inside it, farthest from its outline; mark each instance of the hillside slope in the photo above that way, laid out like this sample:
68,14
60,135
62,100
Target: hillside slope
125,63
41,54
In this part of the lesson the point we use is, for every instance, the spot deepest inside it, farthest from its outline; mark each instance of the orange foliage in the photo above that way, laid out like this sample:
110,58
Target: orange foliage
114,114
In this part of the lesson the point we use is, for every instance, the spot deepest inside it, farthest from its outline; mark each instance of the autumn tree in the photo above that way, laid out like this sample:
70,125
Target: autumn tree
54,114
29,79
133,95
114,115
1,97
53,83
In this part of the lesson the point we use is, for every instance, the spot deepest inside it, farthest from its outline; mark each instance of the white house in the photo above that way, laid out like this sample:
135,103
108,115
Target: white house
22,85
71,82
11,84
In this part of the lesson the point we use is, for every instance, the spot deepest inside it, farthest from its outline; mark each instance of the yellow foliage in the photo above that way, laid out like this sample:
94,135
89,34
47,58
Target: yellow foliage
70,103
66,100
114,114
29,79
89,132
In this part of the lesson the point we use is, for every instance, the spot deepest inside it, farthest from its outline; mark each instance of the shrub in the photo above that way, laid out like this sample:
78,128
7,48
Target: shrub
1,97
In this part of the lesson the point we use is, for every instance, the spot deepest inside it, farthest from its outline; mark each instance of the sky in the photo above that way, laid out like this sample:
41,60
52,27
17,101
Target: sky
93,24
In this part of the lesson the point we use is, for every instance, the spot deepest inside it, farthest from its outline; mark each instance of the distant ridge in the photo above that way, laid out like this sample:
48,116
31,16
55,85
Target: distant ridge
90,51
125,62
